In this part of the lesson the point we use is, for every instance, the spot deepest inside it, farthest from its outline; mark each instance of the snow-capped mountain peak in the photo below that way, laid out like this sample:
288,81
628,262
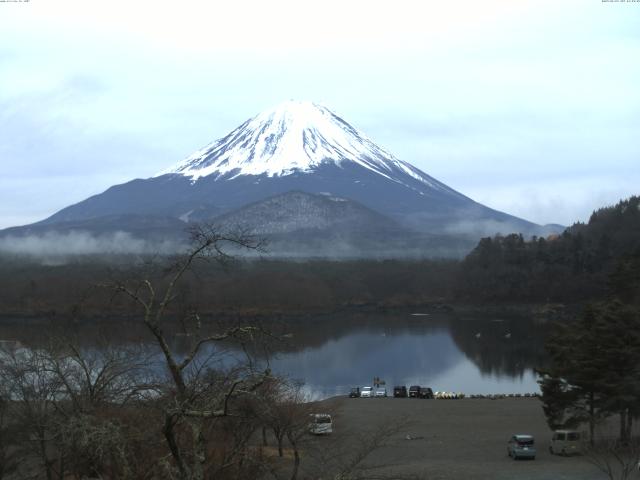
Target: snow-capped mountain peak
294,136
256,170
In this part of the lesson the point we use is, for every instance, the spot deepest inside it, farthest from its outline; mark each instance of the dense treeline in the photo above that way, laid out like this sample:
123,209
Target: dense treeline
251,287
574,266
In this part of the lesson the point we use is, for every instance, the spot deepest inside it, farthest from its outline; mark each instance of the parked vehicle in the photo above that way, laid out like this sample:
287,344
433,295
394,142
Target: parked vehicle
320,424
425,392
521,446
414,391
355,392
400,392
366,392
566,442
381,392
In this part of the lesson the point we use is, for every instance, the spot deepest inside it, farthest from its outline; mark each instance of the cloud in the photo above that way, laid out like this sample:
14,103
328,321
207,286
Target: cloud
55,245
564,200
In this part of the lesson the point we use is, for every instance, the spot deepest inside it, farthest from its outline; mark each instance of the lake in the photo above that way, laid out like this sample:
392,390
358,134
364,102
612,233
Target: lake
470,355
332,353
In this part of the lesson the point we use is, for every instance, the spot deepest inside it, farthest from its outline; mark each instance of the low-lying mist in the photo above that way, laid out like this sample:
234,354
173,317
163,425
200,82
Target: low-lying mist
56,247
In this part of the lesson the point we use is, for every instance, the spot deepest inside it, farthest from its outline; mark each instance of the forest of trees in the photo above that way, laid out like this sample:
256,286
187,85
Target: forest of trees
572,267
262,287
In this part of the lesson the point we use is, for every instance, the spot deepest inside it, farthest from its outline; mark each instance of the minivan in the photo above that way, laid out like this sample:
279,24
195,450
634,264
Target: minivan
565,442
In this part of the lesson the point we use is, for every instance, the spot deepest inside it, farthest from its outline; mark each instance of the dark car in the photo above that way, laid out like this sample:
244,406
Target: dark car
355,392
414,391
425,392
400,391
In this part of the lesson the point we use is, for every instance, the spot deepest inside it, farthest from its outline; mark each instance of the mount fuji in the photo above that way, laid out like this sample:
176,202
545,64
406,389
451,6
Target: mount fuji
293,164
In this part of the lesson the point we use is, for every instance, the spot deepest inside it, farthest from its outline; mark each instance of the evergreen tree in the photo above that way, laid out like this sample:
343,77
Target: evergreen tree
594,369
572,385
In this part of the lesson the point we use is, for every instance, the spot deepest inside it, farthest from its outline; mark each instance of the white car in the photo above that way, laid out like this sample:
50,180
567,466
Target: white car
366,392
320,424
381,392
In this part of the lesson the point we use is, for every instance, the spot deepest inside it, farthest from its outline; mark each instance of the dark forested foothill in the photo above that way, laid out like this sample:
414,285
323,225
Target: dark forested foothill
247,288
572,267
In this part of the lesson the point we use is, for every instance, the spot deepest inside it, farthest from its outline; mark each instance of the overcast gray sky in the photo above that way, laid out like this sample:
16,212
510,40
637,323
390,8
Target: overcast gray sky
530,107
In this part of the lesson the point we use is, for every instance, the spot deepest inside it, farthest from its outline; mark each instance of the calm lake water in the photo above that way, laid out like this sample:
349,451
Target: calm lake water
331,354
469,355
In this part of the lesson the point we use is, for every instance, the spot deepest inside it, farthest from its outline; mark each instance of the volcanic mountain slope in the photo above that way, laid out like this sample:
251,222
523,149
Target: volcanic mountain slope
300,224
300,211
302,147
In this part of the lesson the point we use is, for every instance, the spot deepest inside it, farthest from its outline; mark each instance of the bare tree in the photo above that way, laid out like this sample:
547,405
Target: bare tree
102,375
297,411
194,395
95,387
86,411
284,409
24,373
8,457
617,460
66,408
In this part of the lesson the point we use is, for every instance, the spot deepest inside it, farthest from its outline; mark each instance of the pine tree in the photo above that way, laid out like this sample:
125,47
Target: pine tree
594,369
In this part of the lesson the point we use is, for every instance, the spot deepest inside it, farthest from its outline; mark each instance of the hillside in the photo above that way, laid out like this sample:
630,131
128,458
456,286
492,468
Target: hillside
585,261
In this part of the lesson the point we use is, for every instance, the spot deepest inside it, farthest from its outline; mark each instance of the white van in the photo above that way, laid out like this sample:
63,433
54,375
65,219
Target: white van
320,424
566,442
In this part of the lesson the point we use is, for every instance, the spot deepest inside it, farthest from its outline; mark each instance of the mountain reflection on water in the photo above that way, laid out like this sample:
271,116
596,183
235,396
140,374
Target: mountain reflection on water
332,353
470,355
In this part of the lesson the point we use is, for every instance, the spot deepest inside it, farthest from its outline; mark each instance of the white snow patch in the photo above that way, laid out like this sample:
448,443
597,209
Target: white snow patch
295,136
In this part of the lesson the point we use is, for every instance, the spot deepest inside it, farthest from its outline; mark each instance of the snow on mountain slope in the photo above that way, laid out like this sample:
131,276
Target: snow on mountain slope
295,137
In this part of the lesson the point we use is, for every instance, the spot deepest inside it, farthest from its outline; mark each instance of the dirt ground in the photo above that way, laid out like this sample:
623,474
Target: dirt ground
450,439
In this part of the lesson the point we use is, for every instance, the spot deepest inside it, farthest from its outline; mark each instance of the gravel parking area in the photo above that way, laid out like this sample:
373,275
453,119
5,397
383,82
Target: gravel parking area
454,439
